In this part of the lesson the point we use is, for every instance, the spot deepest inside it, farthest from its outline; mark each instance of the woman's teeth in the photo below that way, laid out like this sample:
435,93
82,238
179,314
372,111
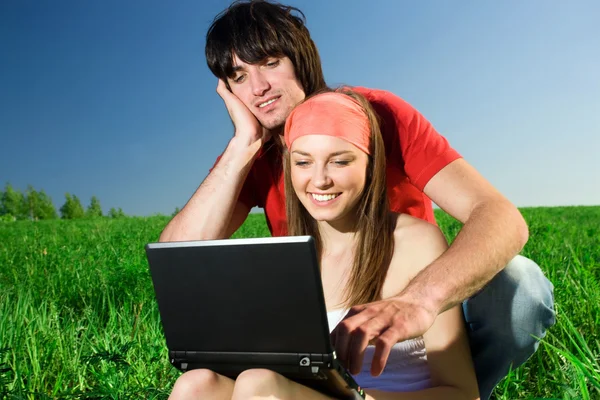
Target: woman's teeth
324,197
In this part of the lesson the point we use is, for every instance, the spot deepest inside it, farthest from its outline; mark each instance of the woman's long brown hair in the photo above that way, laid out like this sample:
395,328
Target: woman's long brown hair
374,227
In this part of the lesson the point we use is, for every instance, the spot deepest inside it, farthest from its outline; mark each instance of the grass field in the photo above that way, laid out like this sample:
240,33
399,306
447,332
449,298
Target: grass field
78,318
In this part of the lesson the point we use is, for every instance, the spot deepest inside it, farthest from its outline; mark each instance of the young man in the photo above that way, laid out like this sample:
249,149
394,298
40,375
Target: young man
267,63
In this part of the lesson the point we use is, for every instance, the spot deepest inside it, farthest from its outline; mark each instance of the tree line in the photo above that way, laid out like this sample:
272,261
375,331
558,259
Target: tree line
37,205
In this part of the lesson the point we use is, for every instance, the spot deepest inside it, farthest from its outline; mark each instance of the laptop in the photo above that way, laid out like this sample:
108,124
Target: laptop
236,304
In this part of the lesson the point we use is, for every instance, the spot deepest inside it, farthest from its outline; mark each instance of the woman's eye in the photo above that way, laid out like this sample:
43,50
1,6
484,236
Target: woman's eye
341,162
301,163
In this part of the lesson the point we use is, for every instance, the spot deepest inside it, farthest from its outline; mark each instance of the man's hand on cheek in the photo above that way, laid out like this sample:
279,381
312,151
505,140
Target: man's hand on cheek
383,324
247,127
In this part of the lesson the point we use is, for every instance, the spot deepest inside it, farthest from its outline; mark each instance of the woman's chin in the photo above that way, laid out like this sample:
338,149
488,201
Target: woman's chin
323,217
326,217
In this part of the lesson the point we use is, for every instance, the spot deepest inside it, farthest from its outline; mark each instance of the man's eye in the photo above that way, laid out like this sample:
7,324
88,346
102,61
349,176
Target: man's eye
239,79
273,63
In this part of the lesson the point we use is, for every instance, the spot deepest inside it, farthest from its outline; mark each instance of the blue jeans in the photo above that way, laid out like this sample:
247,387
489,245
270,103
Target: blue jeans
502,318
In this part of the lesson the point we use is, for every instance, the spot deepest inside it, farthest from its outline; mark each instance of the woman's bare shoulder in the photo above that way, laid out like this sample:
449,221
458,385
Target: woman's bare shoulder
412,231
417,243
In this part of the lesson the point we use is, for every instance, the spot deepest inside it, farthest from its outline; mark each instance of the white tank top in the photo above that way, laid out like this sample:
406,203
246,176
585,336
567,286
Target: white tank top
406,369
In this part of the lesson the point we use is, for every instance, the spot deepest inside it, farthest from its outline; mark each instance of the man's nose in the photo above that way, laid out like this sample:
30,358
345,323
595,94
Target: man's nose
260,85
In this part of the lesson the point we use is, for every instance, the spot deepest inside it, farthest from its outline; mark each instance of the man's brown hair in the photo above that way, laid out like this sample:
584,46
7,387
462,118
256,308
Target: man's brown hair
255,30
374,242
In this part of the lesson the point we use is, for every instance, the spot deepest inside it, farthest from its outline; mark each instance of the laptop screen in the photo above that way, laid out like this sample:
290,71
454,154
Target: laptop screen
240,295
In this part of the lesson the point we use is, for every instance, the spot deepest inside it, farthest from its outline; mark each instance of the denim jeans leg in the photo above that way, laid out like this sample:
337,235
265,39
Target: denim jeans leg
503,318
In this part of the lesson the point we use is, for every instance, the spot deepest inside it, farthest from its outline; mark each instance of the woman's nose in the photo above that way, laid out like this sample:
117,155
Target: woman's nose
321,178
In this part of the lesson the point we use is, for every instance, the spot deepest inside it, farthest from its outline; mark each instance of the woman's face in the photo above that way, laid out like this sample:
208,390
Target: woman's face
328,175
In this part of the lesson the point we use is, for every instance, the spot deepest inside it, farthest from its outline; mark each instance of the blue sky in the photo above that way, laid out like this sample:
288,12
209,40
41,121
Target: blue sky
114,99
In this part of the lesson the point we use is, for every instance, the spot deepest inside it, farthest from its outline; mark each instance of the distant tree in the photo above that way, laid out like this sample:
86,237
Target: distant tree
72,209
175,212
31,202
12,203
37,205
94,209
114,213
46,209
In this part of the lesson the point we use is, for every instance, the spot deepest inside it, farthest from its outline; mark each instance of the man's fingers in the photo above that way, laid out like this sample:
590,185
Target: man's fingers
354,324
355,311
382,324
361,337
224,93
341,334
355,352
383,347
341,337
221,87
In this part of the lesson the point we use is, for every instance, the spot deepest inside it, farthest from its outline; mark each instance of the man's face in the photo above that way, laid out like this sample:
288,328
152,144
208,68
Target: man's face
270,89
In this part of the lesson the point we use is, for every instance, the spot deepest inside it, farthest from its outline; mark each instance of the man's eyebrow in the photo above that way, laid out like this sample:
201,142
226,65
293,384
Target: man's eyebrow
237,68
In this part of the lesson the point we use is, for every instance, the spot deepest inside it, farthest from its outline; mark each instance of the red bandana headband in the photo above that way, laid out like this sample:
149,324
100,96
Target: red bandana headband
333,114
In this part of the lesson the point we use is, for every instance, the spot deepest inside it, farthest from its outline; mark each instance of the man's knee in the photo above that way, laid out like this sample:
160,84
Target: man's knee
520,298
533,303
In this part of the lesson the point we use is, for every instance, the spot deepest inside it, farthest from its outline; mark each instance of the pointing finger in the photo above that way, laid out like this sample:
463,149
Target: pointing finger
362,336
383,347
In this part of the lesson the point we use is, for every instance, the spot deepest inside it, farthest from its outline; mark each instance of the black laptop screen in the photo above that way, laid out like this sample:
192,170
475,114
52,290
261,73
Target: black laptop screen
261,295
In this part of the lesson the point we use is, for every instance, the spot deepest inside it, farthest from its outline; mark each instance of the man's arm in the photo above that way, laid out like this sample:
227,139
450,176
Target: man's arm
213,211
494,231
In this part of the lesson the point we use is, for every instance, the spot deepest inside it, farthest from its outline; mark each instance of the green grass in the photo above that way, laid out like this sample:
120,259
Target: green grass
78,318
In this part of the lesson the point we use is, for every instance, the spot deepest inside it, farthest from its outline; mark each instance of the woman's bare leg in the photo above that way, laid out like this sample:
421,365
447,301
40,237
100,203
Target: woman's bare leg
255,384
202,384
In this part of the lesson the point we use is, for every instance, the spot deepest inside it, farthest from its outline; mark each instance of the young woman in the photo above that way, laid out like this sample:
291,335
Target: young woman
336,192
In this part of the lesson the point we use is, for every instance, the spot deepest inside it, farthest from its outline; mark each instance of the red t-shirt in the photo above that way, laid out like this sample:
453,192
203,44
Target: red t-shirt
415,152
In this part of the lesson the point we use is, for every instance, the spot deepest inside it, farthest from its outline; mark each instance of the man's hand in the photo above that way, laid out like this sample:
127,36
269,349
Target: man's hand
383,324
247,127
